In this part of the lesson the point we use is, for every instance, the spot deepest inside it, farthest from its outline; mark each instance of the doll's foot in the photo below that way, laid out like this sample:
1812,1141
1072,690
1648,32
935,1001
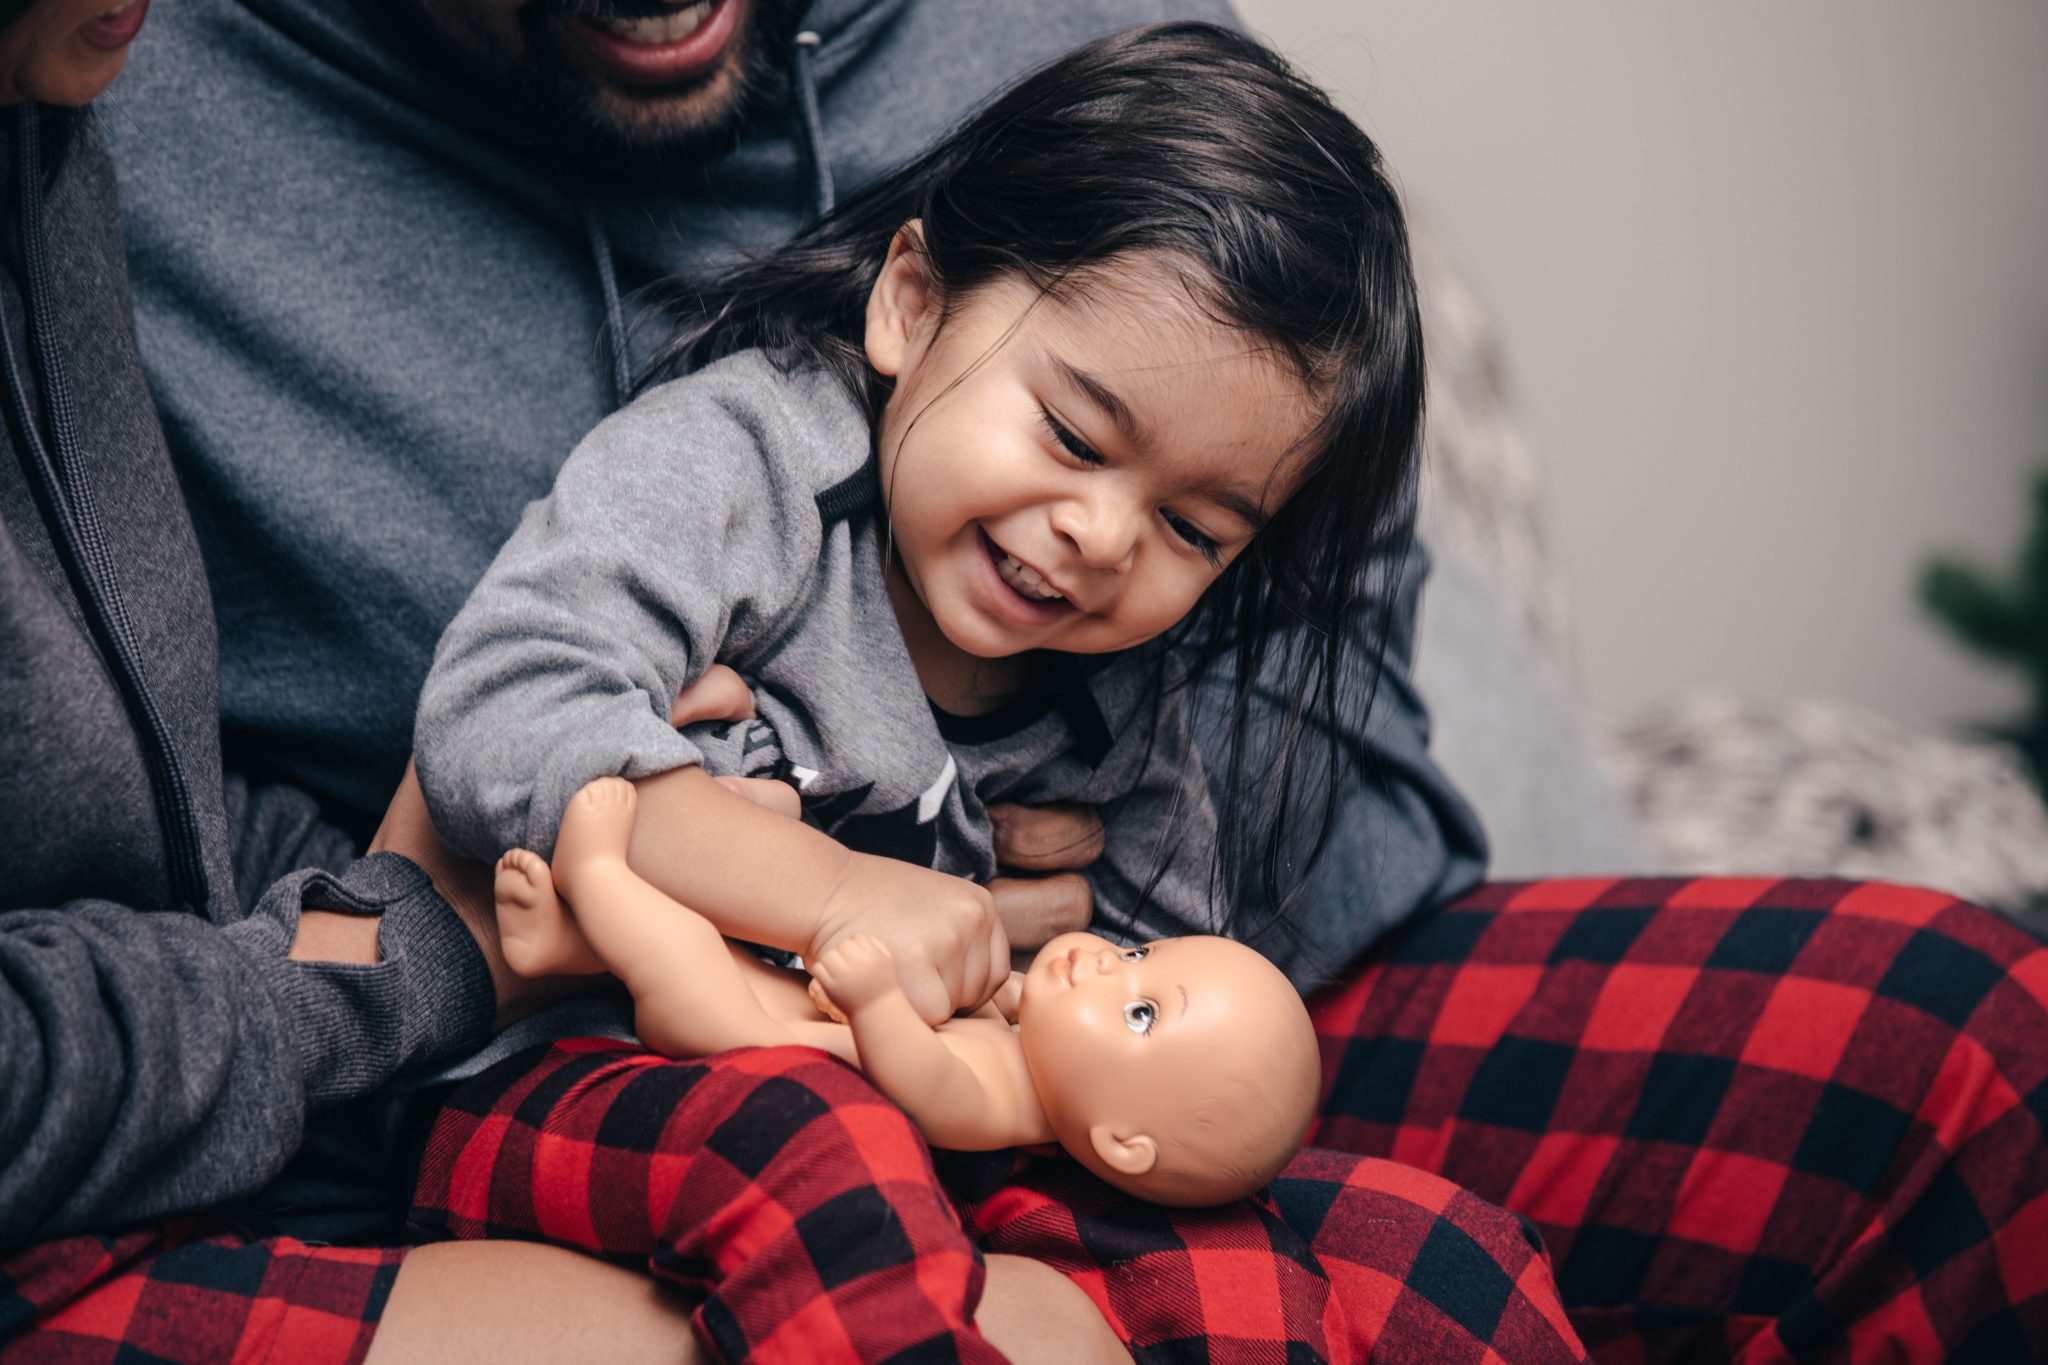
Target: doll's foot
538,935
594,833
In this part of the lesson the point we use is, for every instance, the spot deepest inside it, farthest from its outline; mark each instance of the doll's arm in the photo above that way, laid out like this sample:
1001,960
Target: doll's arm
964,1093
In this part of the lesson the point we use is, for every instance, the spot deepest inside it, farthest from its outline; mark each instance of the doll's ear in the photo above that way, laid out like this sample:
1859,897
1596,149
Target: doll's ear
1134,1155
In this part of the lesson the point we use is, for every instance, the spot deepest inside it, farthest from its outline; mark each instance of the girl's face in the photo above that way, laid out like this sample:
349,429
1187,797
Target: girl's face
1072,473
67,51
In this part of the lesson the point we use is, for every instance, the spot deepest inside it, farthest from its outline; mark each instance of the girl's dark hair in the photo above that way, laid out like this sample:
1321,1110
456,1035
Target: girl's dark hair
1191,144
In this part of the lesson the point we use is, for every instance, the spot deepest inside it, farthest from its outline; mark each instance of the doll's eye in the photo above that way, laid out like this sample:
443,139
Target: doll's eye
1139,1014
1134,954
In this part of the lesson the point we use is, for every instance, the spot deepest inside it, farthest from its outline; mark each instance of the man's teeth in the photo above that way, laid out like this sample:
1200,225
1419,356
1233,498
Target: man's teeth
661,29
1026,579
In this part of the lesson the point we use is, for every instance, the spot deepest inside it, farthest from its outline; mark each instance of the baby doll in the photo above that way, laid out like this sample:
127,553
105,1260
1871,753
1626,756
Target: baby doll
1184,1071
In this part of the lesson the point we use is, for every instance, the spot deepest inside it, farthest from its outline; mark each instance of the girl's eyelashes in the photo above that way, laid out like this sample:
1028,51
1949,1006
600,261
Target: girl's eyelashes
1071,443
1086,454
1192,534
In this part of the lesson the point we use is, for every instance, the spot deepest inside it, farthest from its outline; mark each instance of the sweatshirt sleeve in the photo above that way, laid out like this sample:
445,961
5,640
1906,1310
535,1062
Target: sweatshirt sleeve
156,1063
678,526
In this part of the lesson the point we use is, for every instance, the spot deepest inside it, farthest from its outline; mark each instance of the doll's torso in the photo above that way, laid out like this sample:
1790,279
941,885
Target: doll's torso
985,1040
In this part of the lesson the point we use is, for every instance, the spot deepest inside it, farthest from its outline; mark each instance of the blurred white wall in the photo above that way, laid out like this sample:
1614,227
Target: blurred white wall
1774,280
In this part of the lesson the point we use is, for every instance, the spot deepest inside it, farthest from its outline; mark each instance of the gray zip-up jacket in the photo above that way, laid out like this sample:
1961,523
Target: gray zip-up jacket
158,1052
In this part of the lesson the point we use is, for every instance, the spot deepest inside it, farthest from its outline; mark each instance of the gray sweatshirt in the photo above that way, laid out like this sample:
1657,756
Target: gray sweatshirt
730,517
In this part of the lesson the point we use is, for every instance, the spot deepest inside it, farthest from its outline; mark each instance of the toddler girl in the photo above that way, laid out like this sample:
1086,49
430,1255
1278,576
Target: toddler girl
1117,384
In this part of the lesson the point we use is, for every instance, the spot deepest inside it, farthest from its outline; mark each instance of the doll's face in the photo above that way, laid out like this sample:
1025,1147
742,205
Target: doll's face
1073,471
1128,1047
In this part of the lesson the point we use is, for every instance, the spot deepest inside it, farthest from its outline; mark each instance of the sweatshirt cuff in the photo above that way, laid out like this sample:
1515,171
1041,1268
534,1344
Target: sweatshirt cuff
428,997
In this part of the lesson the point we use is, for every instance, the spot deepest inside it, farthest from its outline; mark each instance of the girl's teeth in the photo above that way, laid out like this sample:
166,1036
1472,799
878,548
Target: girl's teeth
661,29
1025,580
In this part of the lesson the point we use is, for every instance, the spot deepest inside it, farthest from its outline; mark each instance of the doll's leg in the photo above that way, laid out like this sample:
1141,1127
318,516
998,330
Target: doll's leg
539,935
1759,1118
689,997
775,1182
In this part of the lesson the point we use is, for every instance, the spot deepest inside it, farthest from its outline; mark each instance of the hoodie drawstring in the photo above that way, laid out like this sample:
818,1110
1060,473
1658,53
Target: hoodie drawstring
614,311
811,125
811,129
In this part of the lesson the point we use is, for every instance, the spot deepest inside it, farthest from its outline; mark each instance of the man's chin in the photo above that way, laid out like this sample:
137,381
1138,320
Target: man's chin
606,109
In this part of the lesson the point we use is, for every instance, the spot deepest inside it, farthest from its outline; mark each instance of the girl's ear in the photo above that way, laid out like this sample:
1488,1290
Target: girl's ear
901,303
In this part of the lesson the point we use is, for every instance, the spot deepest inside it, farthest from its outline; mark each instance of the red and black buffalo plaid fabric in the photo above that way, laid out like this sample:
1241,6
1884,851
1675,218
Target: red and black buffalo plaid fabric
191,1291
1765,1120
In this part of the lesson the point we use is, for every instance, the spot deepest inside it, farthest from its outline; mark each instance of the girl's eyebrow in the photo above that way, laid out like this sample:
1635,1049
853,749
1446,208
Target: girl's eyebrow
1105,398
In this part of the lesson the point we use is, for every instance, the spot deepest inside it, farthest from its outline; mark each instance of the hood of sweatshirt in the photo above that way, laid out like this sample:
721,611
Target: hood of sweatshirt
629,236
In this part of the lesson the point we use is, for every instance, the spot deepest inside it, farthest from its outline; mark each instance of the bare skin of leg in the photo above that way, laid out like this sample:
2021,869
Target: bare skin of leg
506,1303
500,1303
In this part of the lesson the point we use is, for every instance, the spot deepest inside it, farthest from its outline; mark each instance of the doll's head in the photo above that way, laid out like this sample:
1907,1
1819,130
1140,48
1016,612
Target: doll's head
1184,1071
1172,274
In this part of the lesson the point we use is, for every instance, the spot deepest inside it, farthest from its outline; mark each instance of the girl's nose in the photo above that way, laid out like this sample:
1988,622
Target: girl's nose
1102,528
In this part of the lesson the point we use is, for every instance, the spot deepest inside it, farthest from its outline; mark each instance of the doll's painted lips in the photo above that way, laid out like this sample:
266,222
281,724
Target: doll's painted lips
1061,969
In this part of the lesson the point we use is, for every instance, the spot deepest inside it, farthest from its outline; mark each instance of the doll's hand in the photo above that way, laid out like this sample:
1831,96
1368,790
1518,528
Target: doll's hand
855,974
949,947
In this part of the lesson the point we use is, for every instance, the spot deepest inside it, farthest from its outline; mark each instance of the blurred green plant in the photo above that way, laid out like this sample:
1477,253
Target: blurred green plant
2005,618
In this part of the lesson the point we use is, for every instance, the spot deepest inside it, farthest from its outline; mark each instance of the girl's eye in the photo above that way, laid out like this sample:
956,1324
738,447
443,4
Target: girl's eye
1134,954
1072,444
1192,534
1139,1014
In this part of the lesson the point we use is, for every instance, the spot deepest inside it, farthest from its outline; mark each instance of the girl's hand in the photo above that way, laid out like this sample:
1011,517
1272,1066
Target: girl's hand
950,949
855,974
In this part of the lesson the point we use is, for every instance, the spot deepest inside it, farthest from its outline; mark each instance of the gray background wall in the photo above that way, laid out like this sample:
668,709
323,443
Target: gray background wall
1774,279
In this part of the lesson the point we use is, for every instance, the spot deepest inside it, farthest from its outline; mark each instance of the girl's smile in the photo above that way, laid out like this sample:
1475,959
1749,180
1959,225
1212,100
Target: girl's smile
1068,471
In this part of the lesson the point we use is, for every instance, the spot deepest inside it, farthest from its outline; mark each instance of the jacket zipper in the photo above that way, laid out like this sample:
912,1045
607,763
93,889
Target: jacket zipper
75,525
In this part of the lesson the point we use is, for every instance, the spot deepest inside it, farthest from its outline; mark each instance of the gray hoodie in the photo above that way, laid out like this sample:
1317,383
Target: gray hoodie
376,325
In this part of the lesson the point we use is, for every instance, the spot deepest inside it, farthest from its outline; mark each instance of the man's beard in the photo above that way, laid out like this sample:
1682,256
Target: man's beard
649,137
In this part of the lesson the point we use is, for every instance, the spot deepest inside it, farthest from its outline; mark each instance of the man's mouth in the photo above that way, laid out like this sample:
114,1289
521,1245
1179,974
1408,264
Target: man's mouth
636,42
656,30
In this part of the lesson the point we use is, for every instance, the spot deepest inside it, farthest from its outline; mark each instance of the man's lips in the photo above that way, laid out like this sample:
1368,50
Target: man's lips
117,27
661,48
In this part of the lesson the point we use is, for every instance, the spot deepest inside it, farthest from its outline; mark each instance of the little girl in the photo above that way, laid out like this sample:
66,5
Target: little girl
1116,385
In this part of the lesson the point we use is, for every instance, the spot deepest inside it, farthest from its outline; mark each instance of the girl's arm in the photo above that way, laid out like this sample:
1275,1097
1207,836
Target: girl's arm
969,1094
766,878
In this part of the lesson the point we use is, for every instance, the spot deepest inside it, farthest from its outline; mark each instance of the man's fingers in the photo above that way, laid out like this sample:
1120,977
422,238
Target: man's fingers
1046,838
1036,910
779,797
718,694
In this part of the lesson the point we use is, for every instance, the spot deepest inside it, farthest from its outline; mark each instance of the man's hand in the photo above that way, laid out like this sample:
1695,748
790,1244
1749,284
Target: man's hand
950,949
1050,844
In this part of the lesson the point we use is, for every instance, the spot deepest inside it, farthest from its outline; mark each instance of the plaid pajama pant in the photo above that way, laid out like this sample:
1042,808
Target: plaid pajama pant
1754,1119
